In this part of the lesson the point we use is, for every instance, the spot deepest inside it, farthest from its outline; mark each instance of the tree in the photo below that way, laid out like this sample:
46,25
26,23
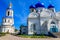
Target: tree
20,28
16,30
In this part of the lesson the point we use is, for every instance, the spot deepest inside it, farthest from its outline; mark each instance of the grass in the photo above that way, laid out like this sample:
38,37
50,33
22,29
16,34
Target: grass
2,34
34,36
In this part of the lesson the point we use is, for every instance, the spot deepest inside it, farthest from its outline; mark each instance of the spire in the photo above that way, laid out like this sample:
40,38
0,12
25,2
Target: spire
10,5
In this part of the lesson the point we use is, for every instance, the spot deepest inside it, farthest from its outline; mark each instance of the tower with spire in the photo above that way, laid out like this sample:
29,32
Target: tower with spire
8,20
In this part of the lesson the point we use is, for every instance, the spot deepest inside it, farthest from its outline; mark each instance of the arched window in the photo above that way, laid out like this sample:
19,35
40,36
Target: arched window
8,20
53,27
34,27
32,10
36,10
8,13
5,20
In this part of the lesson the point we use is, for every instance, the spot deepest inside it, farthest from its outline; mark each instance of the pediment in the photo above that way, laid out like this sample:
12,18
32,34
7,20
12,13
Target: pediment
33,15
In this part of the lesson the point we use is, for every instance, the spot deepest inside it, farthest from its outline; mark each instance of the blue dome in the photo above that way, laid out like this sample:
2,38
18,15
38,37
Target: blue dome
39,5
50,6
32,6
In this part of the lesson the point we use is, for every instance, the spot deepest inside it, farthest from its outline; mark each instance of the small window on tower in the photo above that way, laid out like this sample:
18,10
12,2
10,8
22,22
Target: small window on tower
36,10
32,10
8,13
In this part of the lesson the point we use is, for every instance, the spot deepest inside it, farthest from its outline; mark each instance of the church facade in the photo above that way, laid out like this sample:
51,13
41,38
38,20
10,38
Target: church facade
8,21
42,20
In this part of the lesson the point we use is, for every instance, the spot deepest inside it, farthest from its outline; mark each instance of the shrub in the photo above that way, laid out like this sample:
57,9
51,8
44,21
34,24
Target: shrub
2,34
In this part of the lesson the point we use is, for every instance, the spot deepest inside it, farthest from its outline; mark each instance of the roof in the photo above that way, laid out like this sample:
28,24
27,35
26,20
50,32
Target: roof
7,17
32,6
50,6
39,5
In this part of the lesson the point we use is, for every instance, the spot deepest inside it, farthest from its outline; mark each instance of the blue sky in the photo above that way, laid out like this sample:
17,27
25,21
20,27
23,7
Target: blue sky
21,9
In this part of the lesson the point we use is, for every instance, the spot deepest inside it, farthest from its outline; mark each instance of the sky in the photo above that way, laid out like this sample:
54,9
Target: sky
21,9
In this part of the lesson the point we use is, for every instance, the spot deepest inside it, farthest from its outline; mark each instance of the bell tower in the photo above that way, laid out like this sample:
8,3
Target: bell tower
8,21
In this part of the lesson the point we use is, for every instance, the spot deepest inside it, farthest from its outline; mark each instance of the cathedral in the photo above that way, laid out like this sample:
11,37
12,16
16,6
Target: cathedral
8,21
42,20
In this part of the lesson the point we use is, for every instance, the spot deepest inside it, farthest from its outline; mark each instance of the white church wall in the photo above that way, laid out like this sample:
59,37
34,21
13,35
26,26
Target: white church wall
7,29
59,25
44,27
33,21
8,21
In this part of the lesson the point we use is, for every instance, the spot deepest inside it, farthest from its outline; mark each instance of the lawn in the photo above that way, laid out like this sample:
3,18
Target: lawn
34,36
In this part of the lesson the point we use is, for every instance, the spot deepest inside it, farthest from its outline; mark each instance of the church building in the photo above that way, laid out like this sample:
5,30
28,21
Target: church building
42,20
8,21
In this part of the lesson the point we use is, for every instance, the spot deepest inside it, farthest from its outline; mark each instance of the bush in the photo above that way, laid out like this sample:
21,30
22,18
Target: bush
34,36
2,34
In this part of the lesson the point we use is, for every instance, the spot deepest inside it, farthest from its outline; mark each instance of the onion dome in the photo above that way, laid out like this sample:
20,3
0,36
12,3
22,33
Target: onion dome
50,6
32,6
39,5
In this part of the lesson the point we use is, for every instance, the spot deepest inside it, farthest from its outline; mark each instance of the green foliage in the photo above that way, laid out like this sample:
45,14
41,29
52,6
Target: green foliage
2,34
16,30
33,36
22,26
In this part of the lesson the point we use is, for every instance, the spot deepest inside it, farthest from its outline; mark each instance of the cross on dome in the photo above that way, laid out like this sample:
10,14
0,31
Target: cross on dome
10,5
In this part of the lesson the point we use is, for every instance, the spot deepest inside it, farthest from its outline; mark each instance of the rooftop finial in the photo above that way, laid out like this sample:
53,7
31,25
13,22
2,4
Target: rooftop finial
10,5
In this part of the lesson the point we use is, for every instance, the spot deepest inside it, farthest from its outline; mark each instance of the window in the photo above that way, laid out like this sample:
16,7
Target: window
52,10
32,10
5,20
31,29
36,10
24,32
8,13
41,10
34,27
8,20
24,29
54,29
